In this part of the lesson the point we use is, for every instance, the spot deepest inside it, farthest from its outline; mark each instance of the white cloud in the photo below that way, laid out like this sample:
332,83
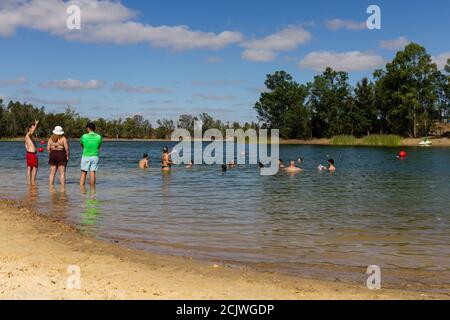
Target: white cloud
14,82
259,55
345,61
265,49
73,84
441,60
287,39
105,21
212,97
57,102
336,24
395,44
120,86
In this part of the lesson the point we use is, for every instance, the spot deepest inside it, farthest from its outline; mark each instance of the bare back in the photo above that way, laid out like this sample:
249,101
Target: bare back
29,143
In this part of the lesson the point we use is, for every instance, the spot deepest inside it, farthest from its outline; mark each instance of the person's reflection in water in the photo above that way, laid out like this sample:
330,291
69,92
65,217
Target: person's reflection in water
33,194
58,199
165,193
91,211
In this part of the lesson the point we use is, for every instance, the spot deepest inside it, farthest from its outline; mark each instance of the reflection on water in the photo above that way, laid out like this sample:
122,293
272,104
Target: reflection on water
374,210
91,210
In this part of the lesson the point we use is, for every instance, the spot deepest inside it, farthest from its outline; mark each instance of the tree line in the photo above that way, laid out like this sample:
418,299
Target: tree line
16,117
405,98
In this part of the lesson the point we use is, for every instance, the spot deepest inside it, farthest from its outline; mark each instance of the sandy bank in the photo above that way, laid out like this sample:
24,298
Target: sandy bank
35,253
406,142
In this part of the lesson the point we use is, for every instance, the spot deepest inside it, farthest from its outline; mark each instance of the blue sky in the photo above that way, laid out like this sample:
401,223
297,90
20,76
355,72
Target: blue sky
162,59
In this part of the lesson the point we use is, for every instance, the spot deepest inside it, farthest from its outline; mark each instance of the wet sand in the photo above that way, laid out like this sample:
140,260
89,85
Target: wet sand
35,253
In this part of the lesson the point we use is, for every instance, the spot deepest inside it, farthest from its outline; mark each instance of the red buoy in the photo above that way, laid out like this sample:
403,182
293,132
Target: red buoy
41,149
402,154
42,142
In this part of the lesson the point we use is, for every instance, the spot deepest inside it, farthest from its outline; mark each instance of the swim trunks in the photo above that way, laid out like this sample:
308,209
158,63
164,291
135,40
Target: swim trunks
32,159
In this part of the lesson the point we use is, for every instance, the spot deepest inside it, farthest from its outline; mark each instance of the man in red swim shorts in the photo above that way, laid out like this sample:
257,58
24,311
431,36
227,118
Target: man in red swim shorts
32,159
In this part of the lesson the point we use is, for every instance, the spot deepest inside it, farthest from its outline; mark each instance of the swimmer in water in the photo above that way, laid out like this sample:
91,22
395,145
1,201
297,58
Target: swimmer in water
331,166
190,165
143,163
292,168
166,162
232,164
224,168
281,164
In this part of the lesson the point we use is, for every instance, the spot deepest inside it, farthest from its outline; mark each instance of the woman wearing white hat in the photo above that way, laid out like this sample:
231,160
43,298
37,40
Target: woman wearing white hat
58,149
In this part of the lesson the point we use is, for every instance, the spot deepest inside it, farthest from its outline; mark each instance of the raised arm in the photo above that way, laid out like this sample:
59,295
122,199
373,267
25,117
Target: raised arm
33,130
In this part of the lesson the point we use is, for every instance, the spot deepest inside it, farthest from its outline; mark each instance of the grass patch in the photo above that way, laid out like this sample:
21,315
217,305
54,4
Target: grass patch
386,140
344,141
379,140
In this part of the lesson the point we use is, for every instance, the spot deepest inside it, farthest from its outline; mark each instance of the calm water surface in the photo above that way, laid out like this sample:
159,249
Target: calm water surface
375,209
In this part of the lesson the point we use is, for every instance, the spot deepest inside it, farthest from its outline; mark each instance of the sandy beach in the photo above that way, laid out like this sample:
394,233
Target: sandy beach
35,253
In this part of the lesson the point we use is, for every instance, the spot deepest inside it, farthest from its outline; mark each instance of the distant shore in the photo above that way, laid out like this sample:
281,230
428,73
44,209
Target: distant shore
405,142
36,253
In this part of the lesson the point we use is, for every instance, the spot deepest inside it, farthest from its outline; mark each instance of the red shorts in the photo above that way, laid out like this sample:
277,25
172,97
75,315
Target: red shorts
32,160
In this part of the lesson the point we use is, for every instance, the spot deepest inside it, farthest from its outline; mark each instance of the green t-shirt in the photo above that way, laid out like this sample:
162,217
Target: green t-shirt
91,143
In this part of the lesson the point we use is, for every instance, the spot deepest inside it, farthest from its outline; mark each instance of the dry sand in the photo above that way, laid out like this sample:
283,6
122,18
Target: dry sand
35,253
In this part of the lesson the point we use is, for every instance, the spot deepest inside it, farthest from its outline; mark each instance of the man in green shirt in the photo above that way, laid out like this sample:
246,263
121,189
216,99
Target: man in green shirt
91,143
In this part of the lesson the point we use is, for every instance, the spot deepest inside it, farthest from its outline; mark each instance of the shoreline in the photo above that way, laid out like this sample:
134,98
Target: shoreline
36,251
406,142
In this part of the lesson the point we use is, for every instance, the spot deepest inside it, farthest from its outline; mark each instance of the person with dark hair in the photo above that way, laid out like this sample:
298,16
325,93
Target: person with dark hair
91,143
166,162
281,164
190,165
260,165
224,168
143,164
31,155
331,166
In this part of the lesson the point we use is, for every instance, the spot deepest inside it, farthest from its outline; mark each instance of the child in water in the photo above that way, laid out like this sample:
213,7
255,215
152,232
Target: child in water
143,164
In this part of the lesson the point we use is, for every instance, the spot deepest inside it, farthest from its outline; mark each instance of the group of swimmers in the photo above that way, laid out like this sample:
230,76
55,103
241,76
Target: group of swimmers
144,163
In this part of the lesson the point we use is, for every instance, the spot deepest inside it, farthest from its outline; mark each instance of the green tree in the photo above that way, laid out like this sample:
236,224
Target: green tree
364,112
186,121
165,129
283,106
331,104
407,91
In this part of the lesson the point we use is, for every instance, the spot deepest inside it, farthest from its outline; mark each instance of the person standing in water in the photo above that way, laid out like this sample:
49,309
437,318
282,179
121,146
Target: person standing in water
31,155
331,166
143,164
91,143
166,162
58,149
292,168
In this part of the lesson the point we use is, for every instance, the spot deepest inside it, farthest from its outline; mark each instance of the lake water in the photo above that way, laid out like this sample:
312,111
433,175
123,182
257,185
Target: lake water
375,210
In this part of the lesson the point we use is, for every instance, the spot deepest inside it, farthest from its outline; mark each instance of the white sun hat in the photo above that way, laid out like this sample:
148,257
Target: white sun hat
58,131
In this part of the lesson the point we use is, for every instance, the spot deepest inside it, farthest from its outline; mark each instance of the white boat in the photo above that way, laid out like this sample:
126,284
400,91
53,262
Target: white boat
425,143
